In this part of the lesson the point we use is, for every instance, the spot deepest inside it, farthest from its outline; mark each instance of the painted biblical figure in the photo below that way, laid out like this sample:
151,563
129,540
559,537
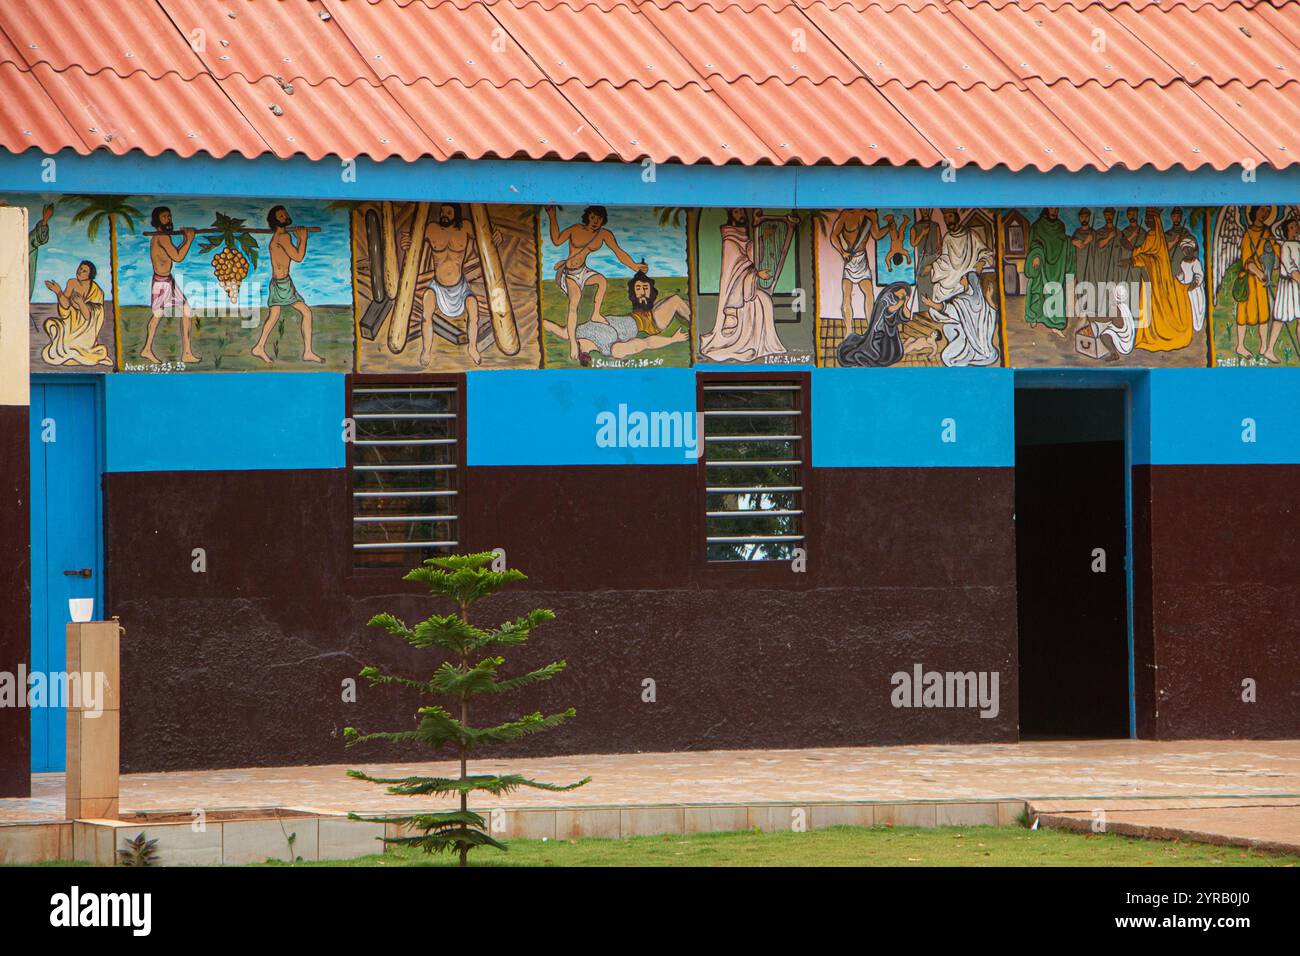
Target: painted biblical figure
941,262
1256,285
74,333
445,286
754,306
217,285
1088,286
614,288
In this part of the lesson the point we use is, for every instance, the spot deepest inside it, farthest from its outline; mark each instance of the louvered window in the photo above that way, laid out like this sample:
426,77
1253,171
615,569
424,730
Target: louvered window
405,465
755,454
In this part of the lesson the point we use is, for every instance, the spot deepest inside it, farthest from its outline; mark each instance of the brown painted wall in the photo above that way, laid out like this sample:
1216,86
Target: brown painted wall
243,665
15,595
1224,600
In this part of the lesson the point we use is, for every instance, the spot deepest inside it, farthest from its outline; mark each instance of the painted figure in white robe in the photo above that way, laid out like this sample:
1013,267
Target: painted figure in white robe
957,300
1191,273
1117,333
745,328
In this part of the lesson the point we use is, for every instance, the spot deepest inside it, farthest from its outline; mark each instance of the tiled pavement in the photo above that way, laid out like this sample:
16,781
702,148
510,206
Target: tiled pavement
1112,773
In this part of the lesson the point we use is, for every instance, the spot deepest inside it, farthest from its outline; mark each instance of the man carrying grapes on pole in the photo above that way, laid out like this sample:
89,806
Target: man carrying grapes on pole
286,248
165,296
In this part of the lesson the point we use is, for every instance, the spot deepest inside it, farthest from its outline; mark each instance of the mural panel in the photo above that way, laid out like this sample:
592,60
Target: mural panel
463,296
1255,275
614,288
908,287
753,286
1105,286
72,244
149,284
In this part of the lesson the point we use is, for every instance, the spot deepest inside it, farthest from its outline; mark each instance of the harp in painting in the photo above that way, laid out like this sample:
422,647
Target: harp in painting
772,238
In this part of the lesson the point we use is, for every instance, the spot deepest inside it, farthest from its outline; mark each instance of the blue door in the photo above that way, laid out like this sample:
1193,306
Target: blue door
65,493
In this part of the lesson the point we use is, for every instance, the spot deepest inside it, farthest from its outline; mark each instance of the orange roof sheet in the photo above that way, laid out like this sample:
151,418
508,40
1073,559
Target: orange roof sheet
1018,83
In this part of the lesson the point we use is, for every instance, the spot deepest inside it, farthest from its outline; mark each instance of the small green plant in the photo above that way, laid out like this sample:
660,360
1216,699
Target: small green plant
468,671
138,852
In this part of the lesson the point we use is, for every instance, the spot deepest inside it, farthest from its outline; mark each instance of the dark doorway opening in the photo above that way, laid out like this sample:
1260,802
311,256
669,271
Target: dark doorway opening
1071,562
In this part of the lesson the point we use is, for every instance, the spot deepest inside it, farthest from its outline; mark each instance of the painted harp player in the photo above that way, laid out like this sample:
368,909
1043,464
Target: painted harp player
744,329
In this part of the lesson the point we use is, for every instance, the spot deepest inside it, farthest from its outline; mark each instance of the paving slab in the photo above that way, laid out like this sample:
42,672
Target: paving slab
1068,771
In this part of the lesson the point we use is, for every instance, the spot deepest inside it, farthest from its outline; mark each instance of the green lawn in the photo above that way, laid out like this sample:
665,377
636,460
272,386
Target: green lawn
849,846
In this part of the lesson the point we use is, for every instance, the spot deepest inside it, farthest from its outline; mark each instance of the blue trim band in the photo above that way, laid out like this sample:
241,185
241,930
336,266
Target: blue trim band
224,421
530,181
913,418
580,417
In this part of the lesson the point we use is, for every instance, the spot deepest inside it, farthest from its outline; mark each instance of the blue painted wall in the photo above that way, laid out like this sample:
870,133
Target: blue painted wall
861,418
900,417
1197,416
224,421
550,417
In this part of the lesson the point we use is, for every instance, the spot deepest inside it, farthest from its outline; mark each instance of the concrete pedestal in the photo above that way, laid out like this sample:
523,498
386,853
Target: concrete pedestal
93,720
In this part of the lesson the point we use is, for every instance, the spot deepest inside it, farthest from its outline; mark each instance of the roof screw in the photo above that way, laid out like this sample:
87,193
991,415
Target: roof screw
289,138
324,15
1047,149
634,142
384,140
470,62
130,55
545,141
225,43
785,145
1196,149
224,56
231,14
1109,149
275,108
871,146
28,132
31,46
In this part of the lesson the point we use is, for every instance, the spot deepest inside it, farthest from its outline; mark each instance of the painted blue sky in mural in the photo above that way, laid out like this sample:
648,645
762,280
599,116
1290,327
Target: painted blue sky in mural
323,278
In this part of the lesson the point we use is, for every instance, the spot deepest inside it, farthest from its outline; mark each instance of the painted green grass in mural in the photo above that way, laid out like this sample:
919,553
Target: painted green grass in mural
851,846
1225,332
225,346
555,308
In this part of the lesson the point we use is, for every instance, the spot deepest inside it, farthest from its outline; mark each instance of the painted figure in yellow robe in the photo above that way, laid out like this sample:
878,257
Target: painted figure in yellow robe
1254,311
1165,322
74,335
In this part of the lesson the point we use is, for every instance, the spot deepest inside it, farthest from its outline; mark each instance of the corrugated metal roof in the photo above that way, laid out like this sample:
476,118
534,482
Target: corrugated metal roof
1019,83
759,44
482,49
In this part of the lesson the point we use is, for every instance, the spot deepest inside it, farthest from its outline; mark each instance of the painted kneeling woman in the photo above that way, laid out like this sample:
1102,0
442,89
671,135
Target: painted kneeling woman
74,335
745,327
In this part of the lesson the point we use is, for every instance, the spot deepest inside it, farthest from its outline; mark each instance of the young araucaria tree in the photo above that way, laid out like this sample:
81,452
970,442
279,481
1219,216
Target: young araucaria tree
469,671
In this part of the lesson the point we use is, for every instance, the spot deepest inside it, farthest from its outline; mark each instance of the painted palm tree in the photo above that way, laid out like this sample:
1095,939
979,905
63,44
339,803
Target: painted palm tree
95,211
